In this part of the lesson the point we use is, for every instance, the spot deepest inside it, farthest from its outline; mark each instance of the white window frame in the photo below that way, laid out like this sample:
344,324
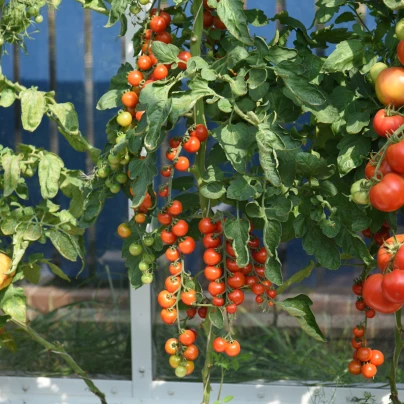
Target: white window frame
142,389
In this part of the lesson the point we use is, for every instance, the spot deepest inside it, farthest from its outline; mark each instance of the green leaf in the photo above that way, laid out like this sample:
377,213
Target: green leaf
216,317
231,12
353,150
4,320
33,232
49,169
117,10
212,190
111,99
237,231
13,303
256,17
32,272
241,189
120,80
394,4
272,238
64,243
33,107
347,55
312,166
212,174
58,272
12,173
165,53
7,97
183,183
299,307
296,278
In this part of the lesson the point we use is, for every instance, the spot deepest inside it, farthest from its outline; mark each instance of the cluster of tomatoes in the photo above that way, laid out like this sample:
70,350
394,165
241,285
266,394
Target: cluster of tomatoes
210,18
360,304
183,352
380,236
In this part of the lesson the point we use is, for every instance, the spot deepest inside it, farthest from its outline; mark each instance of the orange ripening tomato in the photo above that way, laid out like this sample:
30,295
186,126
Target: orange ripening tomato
390,86
400,51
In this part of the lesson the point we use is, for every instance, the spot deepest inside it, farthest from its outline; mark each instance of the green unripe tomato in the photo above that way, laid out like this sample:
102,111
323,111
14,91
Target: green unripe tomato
181,371
149,258
135,249
148,241
125,160
38,19
114,158
124,119
103,172
108,182
144,2
135,9
147,278
32,11
114,167
29,172
174,361
179,18
186,33
121,178
400,29
115,188
143,266
376,69
360,192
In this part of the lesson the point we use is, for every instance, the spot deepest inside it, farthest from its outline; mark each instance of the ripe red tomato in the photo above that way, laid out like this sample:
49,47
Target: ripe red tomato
187,338
395,155
385,125
371,169
130,99
364,354
360,305
180,228
250,280
233,348
377,358
212,257
206,226
356,343
261,255
390,86
381,236
163,192
188,297
153,59
187,246
213,273
218,301
357,288
169,316
393,286
211,240
191,312
164,218
247,269
220,344
176,208
258,289
207,19
184,56
164,37
166,171
158,24
171,346
192,145
385,256
144,62
216,288
191,353
236,296
202,312
160,72
271,293
259,271
254,242
358,332
367,233
259,299
172,283
237,280
218,23
231,265
231,308
135,77
174,142
172,254
182,164
166,299
171,154
230,249
370,313
373,295
139,115
388,194
354,367
148,34
201,132
166,17
400,51
368,369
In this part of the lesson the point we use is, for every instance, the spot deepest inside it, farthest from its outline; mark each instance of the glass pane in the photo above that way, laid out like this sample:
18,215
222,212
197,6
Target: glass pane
90,315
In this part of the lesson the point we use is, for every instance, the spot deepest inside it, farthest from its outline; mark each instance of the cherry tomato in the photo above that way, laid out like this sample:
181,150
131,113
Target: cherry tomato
124,230
202,312
360,305
184,56
192,145
385,125
213,273
172,254
381,236
169,316
175,361
175,268
130,99
212,257
191,353
135,249
160,72
218,301
187,246
367,233
166,299
174,142
164,218
216,288
144,62
391,253
172,283
163,192
357,289
364,354
158,24
230,250
148,34
250,280
394,154
153,59
187,338
191,312
354,367
139,115
190,367
358,332
232,266
171,154
188,297
166,17
371,169
393,286
200,132
211,240
370,313
124,119
180,228
390,86
237,297
373,295
236,281
259,299
164,37
377,358
368,369
218,23
220,344
206,226
207,19
356,343
258,289
166,171
182,164
271,293
260,255
176,208
233,348
171,346
254,242
388,194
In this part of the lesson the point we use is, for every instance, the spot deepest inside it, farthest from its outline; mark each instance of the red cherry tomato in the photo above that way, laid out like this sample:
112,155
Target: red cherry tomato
207,19
231,308
211,240
188,297
164,37
381,236
180,228
172,254
261,255
371,169
364,354
369,370
160,72
164,218
237,296
168,237
388,194
144,62
212,257
216,288
135,77
385,256
377,358
169,316
200,132
166,299
206,226
220,344
182,164
158,24
187,246
400,51
184,56
354,367
385,125
237,280
213,273
176,208
233,349
192,145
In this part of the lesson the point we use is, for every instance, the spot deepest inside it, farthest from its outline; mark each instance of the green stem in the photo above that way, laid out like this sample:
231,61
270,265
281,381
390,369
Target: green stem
394,363
221,385
59,350
208,365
